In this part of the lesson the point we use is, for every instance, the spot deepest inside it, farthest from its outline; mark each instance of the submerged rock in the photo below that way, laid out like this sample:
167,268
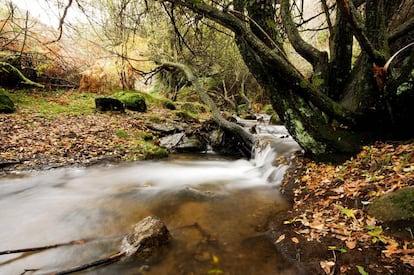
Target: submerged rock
148,234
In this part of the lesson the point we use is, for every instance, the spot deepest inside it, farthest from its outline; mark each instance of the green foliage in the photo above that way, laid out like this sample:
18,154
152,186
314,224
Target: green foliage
361,270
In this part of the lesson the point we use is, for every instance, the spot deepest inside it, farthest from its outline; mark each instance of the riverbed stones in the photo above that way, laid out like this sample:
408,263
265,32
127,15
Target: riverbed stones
147,235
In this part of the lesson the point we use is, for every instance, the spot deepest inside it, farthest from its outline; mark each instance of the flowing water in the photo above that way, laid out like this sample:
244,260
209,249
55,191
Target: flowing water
216,209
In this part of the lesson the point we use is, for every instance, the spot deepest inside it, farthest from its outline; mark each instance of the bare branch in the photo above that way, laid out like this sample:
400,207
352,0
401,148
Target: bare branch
317,58
61,22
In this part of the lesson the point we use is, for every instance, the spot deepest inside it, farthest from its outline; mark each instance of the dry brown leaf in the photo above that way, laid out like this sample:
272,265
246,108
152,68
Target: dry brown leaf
350,244
295,240
327,266
281,238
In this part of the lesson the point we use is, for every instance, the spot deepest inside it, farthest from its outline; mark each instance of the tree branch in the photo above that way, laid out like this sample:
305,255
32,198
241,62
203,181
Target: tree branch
349,10
245,136
21,75
317,58
61,21
401,30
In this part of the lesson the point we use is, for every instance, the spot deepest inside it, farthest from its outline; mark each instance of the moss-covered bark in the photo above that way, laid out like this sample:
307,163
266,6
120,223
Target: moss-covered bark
349,108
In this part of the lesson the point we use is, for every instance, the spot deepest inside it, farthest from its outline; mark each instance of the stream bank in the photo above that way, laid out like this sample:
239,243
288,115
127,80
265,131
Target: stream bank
35,142
328,229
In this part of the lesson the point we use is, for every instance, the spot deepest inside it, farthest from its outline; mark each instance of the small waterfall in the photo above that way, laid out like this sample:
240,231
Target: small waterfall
272,149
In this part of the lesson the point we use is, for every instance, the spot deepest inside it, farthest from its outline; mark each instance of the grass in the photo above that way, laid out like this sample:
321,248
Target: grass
52,103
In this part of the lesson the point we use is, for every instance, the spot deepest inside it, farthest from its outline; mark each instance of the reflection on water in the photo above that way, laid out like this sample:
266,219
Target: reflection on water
216,210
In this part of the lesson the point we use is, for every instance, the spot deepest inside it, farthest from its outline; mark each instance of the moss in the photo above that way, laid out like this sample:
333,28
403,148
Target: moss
122,134
303,137
147,137
395,206
185,115
169,104
52,103
6,104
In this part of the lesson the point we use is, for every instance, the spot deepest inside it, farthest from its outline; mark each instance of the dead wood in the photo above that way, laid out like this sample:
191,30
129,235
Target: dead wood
107,260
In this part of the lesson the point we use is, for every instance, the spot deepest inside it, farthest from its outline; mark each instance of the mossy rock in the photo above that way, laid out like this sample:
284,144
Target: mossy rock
169,105
193,108
6,105
135,102
395,206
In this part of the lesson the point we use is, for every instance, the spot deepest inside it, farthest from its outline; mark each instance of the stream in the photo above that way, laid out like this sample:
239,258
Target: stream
217,210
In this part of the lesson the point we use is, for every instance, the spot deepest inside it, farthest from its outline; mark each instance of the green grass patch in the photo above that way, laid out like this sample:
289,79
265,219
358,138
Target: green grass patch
52,103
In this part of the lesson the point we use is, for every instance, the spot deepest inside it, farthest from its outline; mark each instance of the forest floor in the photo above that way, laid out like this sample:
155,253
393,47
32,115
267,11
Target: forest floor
327,231
53,130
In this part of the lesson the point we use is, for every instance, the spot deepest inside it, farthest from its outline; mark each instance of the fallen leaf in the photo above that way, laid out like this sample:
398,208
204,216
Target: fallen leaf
281,238
215,259
361,270
327,266
351,244
295,240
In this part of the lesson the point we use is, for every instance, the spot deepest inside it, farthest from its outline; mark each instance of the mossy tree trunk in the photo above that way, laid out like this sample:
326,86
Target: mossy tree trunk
340,106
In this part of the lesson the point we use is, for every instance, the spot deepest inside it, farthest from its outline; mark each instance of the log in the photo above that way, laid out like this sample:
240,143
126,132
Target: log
26,81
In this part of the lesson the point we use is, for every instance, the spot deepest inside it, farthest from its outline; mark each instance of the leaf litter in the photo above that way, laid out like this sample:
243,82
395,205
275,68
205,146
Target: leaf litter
330,201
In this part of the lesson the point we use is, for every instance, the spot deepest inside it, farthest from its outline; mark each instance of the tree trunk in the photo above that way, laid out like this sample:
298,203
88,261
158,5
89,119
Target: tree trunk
337,109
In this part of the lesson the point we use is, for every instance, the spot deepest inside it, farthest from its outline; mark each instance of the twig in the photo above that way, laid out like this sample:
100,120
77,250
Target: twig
110,259
22,250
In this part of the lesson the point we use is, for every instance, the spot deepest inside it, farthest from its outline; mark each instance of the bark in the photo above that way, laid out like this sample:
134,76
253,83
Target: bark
348,109
341,55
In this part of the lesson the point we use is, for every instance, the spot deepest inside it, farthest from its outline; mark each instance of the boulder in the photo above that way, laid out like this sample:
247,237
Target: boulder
191,144
6,105
166,129
104,104
147,235
394,206
135,102
170,142
180,142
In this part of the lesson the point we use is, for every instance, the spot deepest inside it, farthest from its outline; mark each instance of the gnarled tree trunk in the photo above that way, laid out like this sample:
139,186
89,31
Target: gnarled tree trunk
340,107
